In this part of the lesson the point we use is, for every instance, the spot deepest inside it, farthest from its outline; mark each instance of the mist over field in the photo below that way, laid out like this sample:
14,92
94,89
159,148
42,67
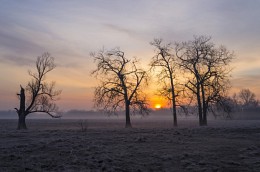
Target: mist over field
162,114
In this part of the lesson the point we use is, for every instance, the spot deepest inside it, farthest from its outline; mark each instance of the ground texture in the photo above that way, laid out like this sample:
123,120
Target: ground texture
96,145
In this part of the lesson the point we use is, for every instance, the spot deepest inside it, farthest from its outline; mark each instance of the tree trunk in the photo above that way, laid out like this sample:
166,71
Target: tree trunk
21,112
199,106
174,110
175,124
205,120
205,108
127,115
173,102
21,122
204,117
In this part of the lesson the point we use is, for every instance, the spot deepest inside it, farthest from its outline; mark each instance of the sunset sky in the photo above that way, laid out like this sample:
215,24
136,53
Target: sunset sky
70,30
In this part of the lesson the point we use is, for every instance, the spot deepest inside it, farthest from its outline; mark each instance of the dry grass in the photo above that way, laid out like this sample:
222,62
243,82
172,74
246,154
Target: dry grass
104,145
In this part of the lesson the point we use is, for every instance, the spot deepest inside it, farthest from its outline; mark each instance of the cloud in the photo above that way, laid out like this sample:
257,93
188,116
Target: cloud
74,65
16,60
121,29
250,81
13,42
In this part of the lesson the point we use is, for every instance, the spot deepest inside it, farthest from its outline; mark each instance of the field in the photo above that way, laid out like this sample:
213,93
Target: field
152,145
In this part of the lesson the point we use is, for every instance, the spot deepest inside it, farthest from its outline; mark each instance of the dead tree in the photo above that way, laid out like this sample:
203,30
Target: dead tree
39,96
207,71
120,84
165,60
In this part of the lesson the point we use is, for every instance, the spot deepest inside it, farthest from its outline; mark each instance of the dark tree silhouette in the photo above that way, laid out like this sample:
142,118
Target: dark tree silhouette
121,84
39,96
207,69
247,98
224,107
165,60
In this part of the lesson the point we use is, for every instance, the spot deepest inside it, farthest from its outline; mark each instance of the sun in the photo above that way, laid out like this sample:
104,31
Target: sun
158,106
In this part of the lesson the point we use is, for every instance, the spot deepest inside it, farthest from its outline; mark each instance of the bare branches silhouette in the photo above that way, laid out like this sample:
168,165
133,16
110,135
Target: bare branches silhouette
39,96
121,82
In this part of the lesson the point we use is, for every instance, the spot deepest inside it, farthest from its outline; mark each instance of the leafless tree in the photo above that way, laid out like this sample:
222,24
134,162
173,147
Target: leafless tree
39,96
165,60
207,69
225,107
120,84
247,98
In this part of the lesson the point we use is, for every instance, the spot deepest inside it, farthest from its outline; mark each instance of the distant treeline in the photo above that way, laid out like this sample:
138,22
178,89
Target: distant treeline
240,113
74,113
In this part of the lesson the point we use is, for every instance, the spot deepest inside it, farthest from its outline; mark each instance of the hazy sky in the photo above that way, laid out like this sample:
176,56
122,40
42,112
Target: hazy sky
70,30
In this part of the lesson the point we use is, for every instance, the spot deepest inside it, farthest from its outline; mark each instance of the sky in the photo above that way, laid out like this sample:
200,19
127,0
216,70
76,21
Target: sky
70,30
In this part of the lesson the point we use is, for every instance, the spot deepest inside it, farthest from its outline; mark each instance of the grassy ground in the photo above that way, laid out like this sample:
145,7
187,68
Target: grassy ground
104,145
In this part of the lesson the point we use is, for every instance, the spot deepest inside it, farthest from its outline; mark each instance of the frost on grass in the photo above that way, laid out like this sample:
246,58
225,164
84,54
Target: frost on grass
106,146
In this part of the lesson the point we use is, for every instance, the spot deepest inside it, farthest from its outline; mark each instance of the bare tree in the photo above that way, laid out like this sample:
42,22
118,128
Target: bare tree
165,60
247,98
207,68
120,84
39,96
225,107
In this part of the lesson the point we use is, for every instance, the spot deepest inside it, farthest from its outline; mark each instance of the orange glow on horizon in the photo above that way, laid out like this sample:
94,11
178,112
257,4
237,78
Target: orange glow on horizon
158,106
156,102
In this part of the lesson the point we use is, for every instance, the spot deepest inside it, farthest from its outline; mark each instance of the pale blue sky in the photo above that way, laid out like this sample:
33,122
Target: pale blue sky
70,30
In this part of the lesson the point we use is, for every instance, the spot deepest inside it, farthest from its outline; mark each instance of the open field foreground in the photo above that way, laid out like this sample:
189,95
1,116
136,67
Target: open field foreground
104,145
